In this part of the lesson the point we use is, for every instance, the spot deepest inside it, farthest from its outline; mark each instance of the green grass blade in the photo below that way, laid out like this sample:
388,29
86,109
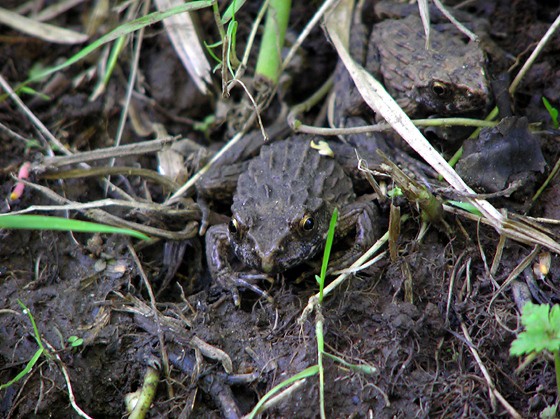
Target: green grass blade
111,64
40,222
31,363
327,253
26,370
232,9
35,328
320,350
231,34
552,111
308,372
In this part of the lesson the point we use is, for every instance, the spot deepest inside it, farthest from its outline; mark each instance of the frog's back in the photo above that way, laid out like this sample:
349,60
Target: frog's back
291,175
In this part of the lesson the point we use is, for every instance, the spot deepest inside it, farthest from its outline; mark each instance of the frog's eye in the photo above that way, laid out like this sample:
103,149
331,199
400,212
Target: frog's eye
440,89
307,223
233,226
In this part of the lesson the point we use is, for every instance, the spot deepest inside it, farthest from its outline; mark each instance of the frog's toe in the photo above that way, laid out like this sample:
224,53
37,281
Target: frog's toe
246,282
235,295
233,283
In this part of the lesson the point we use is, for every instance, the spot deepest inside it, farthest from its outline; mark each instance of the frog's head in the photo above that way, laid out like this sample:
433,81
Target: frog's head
445,98
456,86
273,236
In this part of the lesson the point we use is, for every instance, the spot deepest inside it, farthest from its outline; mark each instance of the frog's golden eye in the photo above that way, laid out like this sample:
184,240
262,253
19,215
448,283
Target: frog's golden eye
440,89
233,226
307,223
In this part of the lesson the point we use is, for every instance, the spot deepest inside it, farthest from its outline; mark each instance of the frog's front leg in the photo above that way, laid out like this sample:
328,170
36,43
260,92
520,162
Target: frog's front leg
218,256
362,218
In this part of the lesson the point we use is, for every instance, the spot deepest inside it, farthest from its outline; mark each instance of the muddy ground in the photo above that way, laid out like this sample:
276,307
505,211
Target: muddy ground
434,321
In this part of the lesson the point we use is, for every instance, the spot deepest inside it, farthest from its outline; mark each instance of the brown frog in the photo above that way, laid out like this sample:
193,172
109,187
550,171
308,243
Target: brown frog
280,216
447,79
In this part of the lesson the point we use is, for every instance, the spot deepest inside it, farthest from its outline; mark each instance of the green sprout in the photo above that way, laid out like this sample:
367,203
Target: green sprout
326,255
395,192
319,323
308,372
552,111
32,144
205,125
75,341
542,333
229,37
40,351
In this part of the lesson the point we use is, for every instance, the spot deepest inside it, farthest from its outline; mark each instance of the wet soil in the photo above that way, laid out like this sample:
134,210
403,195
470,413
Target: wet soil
434,323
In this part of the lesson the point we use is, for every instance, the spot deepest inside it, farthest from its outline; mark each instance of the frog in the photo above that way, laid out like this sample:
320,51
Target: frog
447,79
280,215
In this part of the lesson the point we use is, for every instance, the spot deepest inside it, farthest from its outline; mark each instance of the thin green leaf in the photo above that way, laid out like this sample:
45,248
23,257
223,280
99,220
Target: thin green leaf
363,368
211,52
327,253
465,206
231,34
31,363
552,111
40,222
26,370
232,9
458,154
33,324
308,372
111,64
32,92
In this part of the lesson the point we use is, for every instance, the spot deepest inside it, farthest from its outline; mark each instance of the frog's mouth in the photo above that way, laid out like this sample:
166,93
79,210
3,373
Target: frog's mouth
445,99
269,265
281,260
273,263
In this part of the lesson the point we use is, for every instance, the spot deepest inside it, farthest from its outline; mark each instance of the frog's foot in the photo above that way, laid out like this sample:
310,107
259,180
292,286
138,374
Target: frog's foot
233,280
205,215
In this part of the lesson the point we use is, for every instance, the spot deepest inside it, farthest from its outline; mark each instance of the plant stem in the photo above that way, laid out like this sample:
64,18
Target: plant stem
270,53
557,368
320,349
